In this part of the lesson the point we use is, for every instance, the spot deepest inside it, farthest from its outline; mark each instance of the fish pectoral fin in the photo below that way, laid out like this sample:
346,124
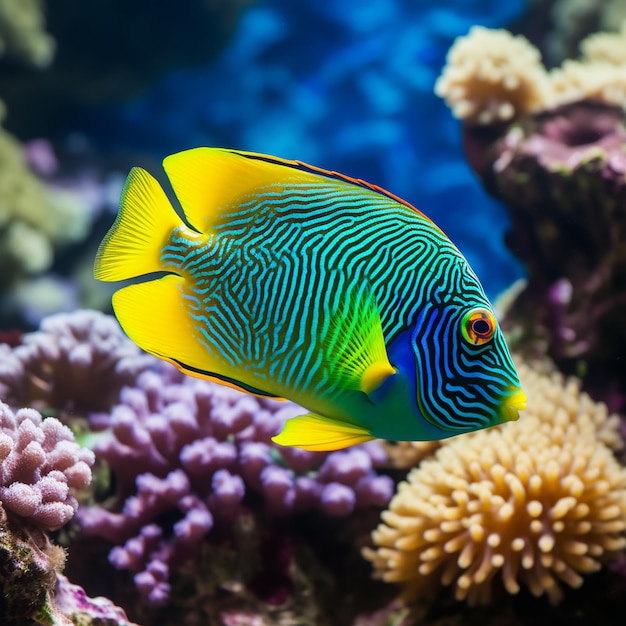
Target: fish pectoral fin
143,226
354,344
157,316
322,434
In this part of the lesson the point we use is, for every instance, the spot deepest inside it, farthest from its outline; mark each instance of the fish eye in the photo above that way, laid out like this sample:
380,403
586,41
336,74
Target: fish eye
478,326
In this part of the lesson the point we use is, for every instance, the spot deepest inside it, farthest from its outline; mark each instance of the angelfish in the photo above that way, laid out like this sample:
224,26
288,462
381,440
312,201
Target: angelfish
285,280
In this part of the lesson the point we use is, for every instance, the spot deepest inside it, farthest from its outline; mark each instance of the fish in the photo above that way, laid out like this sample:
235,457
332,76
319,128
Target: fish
288,281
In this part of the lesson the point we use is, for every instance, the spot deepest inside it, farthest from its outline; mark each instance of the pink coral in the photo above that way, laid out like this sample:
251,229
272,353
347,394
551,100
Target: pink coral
40,462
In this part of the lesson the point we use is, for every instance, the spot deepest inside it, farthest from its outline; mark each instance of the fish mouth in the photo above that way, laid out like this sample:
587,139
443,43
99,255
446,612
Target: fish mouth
512,405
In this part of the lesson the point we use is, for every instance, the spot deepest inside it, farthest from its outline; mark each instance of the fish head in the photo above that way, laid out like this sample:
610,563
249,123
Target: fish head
466,379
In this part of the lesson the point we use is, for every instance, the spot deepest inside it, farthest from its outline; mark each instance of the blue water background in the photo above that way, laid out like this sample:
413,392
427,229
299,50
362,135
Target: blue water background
345,85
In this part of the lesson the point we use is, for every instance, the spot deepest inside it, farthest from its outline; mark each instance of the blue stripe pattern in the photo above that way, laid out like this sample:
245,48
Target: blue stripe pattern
280,265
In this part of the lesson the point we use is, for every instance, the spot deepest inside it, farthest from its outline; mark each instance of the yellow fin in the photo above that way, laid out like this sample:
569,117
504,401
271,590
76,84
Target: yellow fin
157,316
318,433
375,375
208,181
145,221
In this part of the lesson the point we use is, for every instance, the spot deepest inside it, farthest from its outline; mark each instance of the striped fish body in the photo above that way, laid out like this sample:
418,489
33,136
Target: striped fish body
292,282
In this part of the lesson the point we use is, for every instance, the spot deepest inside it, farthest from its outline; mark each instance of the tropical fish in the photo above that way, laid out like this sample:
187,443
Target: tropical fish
289,281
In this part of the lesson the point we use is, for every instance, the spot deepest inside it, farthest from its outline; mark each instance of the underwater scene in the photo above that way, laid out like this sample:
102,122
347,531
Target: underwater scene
313,313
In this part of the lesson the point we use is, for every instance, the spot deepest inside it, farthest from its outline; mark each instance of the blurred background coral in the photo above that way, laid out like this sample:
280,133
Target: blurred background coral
162,498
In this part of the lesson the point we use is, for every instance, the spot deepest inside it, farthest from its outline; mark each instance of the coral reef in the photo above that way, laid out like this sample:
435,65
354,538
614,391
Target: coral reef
22,32
491,76
576,19
40,464
568,225
540,502
35,221
33,589
72,603
28,566
558,400
76,363
189,455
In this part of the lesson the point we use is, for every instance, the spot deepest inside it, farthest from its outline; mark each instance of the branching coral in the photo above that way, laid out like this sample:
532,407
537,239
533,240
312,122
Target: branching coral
22,32
188,455
39,465
539,502
75,362
492,76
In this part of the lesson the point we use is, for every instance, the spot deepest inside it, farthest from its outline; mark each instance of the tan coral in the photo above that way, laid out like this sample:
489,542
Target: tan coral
539,502
605,47
553,398
408,454
580,80
492,76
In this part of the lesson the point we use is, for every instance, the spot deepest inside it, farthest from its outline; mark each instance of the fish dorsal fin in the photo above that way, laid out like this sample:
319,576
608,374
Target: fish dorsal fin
208,181
155,315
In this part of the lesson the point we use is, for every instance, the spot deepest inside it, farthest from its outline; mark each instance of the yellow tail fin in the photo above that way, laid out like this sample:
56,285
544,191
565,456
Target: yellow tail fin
143,226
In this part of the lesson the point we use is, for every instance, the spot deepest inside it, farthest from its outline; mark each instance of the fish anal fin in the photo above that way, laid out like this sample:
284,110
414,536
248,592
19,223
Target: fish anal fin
322,434
157,316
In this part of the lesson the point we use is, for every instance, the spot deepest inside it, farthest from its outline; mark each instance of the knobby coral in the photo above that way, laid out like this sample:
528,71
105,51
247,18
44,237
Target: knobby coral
491,76
539,502
40,462
189,455
75,362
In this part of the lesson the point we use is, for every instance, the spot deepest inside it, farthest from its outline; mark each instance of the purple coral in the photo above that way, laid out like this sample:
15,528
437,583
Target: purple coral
40,462
205,454
569,229
72,603
76,362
